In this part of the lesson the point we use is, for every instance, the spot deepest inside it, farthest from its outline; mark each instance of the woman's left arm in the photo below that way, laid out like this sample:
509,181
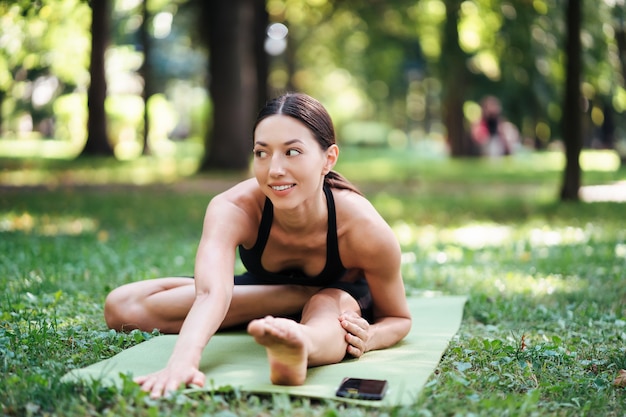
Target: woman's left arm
378,254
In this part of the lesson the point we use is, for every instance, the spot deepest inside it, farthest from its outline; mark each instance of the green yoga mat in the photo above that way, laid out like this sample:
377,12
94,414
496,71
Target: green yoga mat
233,359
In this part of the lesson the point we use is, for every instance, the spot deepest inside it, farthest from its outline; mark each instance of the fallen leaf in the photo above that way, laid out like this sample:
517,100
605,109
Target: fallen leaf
620,381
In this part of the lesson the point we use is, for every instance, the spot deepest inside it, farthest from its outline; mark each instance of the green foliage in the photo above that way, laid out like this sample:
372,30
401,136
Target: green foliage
39,39
365,60
361,59
125,117
70,111
543,332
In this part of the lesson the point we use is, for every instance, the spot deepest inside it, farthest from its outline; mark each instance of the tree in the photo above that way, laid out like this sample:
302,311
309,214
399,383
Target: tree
146,72
261,20
620,40
455,75
571,120
97,137
232,84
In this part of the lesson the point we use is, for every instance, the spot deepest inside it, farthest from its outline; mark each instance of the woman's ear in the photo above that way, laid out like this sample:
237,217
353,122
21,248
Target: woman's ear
332,153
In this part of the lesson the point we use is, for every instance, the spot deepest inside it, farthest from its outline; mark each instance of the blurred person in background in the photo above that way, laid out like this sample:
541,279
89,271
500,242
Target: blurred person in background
493,135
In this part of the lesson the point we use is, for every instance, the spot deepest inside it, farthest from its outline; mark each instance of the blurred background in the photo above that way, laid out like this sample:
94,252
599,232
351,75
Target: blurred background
183,79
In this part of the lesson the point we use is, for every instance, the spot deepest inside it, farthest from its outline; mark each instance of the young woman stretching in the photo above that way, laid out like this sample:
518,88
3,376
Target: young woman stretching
313,248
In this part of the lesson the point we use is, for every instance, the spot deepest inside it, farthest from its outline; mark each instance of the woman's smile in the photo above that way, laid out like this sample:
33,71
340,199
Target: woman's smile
282,187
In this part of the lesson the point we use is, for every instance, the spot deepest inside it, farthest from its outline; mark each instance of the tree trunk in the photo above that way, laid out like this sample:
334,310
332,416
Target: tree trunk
572,112
232,85
454,74
261,21
146,73
2,95
620,38
97,137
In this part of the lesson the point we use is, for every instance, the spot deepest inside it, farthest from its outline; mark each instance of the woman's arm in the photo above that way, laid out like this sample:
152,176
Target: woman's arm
373,248
225,226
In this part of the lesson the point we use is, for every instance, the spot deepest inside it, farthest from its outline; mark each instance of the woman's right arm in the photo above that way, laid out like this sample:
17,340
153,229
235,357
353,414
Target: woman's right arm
226,225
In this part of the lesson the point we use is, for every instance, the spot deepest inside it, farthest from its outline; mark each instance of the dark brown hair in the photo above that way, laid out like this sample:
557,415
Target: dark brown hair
312,113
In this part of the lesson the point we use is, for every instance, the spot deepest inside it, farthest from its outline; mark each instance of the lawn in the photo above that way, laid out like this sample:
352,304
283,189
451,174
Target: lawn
544,331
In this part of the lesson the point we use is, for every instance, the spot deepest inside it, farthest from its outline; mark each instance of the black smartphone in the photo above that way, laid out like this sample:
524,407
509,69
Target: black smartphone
362,389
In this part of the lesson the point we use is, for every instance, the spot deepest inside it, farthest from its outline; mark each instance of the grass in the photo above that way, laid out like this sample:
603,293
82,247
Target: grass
544,331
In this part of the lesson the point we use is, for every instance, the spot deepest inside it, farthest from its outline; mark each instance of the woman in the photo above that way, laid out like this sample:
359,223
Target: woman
312,245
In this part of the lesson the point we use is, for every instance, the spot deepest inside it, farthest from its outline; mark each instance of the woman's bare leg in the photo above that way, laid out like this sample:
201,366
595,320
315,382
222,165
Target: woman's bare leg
163,303
318,339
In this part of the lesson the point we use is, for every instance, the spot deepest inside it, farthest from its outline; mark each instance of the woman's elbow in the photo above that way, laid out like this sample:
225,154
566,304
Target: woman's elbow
405,326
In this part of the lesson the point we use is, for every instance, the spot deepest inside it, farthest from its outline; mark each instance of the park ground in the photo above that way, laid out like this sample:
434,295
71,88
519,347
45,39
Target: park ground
544,330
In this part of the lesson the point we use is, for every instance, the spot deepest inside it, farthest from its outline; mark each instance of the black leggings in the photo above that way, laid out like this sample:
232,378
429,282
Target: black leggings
359,290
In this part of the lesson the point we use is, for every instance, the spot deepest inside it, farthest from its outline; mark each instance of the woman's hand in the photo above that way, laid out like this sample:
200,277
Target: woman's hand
357,333
167,380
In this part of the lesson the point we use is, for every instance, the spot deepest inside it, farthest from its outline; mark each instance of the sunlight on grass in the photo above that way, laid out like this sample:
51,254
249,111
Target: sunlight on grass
169,161
546,236
615,192
599,160
433,253
478,235
533,285
47,225
590,160
141,171
39,148
125,150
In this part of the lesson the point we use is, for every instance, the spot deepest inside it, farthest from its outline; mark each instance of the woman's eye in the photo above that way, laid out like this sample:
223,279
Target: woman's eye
293,152
260,154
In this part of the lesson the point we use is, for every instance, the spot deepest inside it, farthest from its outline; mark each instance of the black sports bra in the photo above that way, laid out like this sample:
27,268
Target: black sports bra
333,270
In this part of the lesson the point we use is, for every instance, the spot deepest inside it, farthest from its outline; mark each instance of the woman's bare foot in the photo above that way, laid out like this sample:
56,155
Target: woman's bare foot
286,348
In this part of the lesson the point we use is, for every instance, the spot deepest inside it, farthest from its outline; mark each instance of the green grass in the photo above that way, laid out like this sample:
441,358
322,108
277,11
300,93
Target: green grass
544,331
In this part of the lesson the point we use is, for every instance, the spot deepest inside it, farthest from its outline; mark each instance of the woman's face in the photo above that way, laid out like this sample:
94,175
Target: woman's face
289,163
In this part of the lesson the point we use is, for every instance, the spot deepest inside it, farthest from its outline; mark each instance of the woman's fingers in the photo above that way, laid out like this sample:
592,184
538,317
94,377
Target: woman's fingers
355,351
355,345
164,382
357,329
152,384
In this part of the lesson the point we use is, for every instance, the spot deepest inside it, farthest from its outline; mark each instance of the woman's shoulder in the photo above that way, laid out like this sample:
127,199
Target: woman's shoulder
358,221
236,212
244,191
366,241
351,206
245,197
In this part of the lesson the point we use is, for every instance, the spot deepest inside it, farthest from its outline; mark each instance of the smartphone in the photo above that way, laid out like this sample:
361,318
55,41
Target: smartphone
362,389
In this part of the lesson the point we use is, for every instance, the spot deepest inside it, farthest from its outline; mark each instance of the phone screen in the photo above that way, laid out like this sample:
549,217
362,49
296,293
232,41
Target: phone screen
364,389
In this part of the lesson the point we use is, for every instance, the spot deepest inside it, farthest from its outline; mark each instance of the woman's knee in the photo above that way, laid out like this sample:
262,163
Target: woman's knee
120,309
160,303
331,301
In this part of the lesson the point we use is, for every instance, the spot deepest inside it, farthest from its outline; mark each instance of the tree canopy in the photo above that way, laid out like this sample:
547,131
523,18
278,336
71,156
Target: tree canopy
415,68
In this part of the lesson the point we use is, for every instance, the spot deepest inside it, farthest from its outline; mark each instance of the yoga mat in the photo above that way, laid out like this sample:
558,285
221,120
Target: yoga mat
233,359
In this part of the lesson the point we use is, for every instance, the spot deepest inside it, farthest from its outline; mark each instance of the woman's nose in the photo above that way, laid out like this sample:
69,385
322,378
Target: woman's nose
277,166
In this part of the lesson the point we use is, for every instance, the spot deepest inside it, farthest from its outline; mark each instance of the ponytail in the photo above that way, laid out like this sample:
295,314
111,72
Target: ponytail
335,180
